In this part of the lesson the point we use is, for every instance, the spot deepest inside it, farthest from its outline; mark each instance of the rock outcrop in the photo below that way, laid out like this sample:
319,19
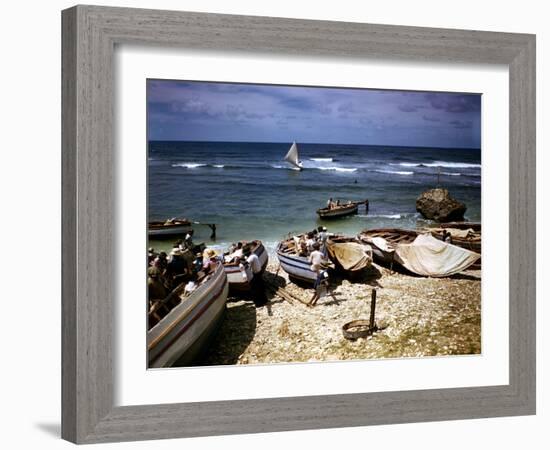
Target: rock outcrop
437,204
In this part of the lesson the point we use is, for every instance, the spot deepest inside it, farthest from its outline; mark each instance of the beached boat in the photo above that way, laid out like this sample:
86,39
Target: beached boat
468,238
239,278
181,334
421,254
298,267
349,255
169,228
384,241
339,211
292,157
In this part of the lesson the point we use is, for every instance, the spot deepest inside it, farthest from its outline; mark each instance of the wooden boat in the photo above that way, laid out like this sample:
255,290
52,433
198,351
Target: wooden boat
298,267
392,236
180,326
169,228
239,279
339,211
468,240
419,253
348,254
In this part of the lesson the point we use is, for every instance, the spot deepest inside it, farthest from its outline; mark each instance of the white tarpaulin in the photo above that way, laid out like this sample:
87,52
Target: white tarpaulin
431,257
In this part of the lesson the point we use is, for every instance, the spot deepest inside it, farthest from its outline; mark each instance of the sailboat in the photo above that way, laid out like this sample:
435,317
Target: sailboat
292,157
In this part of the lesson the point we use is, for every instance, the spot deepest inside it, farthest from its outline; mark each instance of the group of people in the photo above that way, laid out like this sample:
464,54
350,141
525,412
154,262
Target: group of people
186,262
305,244
313,246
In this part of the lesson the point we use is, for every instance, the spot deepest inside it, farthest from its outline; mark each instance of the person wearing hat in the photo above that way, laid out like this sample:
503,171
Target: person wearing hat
323,236
257,285
155,288
317,260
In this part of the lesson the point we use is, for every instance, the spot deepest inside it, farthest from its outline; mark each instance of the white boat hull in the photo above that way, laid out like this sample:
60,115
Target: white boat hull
175,337
239,281
297,267
169,231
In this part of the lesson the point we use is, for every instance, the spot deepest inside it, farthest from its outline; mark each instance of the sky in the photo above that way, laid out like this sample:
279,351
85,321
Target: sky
202,111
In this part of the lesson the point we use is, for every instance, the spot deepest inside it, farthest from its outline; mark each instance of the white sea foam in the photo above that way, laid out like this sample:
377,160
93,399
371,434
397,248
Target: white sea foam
451,174
381,216
321,159
395,172
219,166
339,169
188,165
455,165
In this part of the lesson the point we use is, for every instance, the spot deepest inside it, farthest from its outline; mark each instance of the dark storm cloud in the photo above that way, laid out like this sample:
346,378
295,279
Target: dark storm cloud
270,113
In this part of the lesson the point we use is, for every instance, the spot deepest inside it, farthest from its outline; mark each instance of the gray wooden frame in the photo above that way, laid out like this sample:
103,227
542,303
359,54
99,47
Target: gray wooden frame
89,37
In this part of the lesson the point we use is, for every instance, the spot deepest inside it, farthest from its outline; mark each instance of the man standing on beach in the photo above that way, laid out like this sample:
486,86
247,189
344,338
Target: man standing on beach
257,283
317,259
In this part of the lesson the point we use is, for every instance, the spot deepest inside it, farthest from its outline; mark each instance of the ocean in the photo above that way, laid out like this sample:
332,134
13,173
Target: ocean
249,192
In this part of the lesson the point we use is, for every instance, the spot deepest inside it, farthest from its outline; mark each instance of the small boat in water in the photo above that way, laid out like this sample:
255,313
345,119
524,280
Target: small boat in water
292,157
169,228
239,276
336,211
182,324
349,255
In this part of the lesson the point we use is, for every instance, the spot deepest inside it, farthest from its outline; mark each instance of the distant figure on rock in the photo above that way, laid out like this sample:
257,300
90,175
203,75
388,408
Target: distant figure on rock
437,204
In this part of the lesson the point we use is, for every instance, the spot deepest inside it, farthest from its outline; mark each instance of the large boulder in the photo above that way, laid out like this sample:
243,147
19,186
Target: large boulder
437,204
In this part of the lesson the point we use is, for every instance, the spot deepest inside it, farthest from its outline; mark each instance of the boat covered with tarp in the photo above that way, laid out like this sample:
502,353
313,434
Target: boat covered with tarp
430,257
348,254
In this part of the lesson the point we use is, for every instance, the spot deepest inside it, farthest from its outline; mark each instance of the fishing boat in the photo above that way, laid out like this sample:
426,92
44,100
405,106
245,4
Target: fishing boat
240,276
298,267
181,325
337,211
421,254
384,240
465,237
169,228
292,157
349,255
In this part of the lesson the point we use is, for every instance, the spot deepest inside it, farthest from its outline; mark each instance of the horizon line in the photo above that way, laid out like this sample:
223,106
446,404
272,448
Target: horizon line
314,143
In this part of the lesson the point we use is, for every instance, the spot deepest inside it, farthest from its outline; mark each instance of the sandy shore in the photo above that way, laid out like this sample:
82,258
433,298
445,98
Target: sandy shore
420,316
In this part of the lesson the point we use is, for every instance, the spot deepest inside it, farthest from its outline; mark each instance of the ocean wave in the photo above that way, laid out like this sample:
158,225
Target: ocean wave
395,172
189,165
218,166
338,169
455,165
451,174
321,159
382,216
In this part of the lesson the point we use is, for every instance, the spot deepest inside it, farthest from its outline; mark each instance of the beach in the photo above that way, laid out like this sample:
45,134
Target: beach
419,317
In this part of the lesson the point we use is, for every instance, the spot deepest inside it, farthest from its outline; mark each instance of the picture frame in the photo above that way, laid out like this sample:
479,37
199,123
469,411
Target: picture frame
90,34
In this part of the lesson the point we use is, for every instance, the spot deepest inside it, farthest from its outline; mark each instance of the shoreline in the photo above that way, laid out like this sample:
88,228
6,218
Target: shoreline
421,317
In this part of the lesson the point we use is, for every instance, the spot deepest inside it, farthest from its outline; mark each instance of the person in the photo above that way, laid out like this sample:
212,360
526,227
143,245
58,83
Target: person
197,263
237,253
176,269
447,237
151,255
310,241
323,236
317,259
188,241
257,285
337,202
329,203
155,288
302,246
213,228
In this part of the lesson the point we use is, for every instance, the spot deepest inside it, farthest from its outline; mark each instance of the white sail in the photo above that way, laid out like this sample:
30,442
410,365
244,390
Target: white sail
292,156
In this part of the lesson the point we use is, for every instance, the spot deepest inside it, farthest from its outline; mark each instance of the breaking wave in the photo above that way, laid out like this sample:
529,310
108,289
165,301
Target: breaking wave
322,159
455,165
395,172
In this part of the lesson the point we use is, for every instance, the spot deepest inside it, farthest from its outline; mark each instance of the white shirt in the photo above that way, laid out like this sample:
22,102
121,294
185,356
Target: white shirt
254,262
316,258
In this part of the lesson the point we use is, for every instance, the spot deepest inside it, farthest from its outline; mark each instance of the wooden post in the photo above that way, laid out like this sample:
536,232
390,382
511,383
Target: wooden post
372,309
